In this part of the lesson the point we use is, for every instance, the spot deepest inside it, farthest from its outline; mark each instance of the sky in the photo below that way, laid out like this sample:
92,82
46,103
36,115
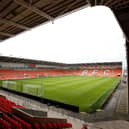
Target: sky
89,35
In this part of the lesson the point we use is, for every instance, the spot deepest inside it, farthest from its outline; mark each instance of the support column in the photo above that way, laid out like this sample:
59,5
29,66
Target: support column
127,56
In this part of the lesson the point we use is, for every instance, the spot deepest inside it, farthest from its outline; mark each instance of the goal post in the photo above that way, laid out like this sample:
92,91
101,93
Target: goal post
11,85
33,89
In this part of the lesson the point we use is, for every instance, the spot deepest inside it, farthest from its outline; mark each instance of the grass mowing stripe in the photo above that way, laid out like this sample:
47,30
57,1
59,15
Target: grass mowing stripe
42,80
88,93
82,85
74,89
61,81
100,101
70,94
96,95
37,82
61,94
65,85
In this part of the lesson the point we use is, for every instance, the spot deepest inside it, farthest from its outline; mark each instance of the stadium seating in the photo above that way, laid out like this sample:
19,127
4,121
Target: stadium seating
8,74
9,119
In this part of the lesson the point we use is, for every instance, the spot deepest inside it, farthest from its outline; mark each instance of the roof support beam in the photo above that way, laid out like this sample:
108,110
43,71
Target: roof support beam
33,9
71,5
108,2
89,2
101,2
127,56
68,7
6,34
95,2
14,24
115,2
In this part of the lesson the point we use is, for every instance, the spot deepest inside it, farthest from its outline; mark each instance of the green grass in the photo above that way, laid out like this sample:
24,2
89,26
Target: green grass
0,83
87,93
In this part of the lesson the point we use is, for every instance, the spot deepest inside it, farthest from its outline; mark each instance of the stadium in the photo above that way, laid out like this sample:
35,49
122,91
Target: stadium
41,94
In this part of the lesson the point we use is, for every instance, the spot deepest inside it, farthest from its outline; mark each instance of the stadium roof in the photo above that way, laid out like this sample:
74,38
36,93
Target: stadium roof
30,61
99,64
17,16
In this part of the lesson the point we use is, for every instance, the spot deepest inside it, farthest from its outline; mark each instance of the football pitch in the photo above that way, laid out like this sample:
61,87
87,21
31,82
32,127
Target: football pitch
87,93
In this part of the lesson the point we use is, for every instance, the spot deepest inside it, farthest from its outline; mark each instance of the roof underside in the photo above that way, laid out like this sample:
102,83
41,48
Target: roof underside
28,61
17,16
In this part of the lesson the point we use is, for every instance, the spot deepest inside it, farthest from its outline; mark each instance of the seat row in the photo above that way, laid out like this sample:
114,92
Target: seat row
9,120
14,122
6,105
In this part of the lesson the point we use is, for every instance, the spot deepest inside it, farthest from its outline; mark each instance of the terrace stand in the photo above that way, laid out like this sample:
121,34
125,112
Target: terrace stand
34,116
28,114
13,117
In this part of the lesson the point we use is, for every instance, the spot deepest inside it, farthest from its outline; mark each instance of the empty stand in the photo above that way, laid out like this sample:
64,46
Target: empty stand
8,74
13,117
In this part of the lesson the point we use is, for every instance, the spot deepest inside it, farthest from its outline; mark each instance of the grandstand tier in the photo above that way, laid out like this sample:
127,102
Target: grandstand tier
9,74
17,68
61,84
13,116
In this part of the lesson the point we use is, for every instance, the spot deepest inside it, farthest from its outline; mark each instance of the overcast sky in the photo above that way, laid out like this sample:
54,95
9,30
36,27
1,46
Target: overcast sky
88,35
